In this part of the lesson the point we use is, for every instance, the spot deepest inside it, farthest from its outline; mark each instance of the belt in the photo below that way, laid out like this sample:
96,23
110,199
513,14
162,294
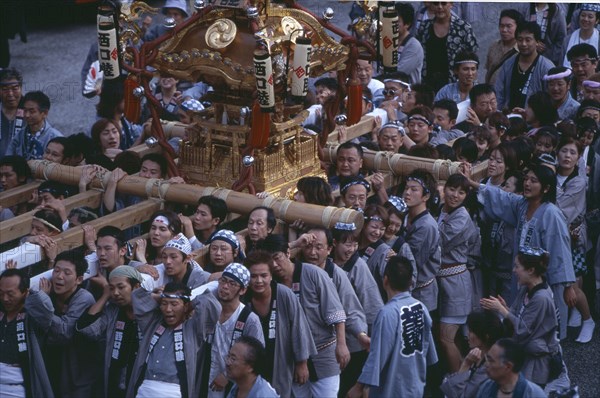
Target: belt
424,284
451,270
325,345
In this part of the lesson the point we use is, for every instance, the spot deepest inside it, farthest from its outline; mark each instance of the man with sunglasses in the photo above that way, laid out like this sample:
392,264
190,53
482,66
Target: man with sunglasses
235,320
396,85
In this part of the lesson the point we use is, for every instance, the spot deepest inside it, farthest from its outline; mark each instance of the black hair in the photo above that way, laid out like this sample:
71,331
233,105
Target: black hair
113,231
158,159
513,352
518,175
174,221
258,257
512,14
21,273
343,235
458,181
547,178
529,27
465,56
586,104
271,219
177,287
429,183
128,161
465,148
423,151
539,264
84,214
399,272
480,89
328,82
81,144
255,353
50,216
74,257
19,166
424,94
488,327
273,243
448,105
326,231
55,189
111,96
11,74
396,75
581,50
217,206
549,132
508,155
523,147
445,152
315,190
66,144
41,99
559,69
585,124
542,107
517,127
350,145
406,12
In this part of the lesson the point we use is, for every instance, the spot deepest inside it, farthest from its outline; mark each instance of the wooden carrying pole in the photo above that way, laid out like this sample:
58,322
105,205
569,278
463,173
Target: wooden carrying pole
237,202
19,226
402,165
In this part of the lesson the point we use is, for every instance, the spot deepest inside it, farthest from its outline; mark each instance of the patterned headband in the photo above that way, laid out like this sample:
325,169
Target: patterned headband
398,203
421,183
181,243
345,226
420,119
364,183
467,61
532,251
373,218
175,296
547,158
392,126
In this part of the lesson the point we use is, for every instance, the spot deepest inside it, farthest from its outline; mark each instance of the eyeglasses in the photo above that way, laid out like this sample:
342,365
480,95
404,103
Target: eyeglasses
389,91
229,282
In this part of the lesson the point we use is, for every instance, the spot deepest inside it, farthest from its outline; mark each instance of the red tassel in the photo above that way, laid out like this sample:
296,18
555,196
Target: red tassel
261,127
354,103
133,107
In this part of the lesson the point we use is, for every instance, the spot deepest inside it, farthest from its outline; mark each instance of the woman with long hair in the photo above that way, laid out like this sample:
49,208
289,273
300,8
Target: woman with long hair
538,223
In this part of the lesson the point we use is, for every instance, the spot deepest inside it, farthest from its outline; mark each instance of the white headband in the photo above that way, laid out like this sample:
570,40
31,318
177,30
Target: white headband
161,219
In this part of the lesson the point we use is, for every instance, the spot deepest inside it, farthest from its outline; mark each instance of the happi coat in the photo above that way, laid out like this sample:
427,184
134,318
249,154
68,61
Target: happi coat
195,330
401,349
292,338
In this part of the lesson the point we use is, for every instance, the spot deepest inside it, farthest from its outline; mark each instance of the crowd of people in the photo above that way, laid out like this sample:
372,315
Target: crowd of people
460,288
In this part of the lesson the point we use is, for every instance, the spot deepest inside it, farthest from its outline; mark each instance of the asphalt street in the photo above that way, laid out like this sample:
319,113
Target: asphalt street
58,43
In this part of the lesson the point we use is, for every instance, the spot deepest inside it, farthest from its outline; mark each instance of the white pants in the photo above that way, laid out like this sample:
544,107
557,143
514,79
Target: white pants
327,387
11,381
153,389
